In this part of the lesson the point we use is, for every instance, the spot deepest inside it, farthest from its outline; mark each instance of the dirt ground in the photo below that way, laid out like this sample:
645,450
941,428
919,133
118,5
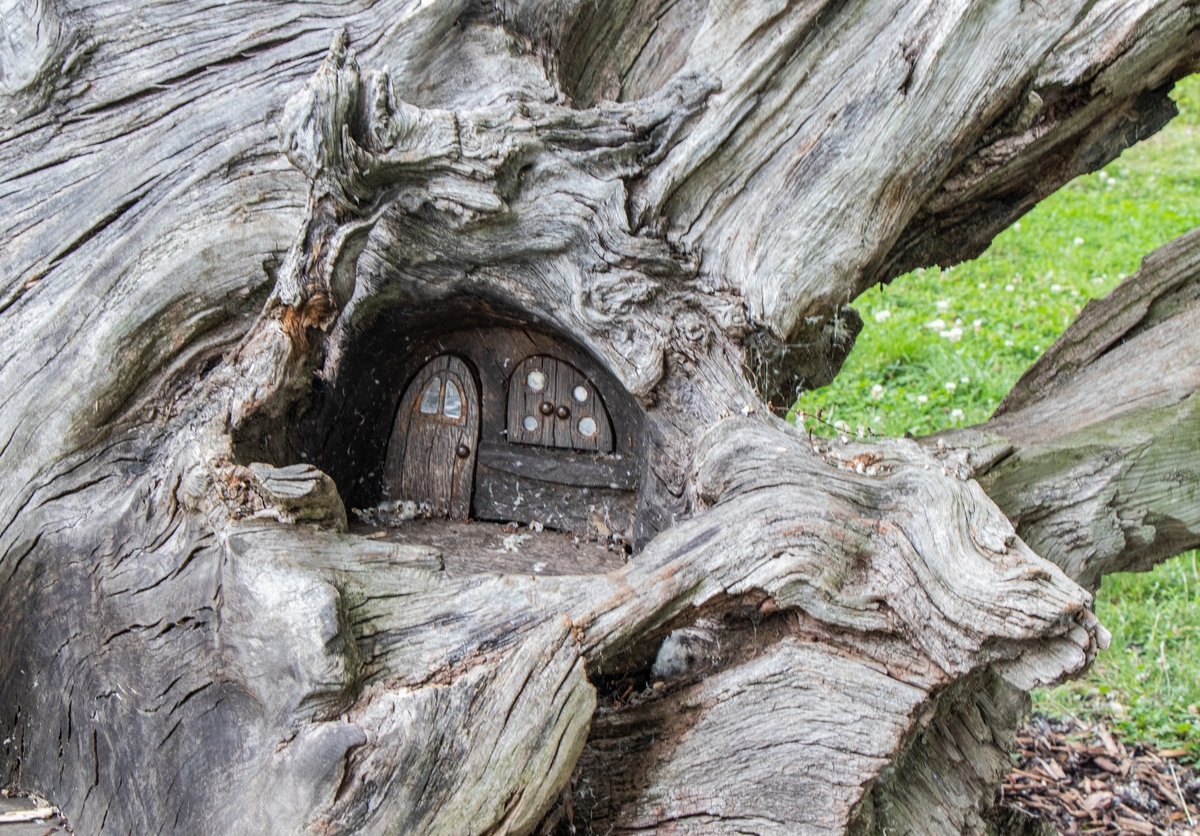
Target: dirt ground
469,548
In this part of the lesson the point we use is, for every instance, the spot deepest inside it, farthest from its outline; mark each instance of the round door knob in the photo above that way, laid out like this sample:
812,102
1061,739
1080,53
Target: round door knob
463,451
546,408
563,412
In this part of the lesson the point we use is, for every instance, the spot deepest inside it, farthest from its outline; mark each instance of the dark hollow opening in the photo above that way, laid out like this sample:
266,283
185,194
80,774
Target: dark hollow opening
504,421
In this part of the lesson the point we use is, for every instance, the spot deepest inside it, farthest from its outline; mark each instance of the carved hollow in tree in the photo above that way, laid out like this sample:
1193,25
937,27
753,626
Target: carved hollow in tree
677,200
579,474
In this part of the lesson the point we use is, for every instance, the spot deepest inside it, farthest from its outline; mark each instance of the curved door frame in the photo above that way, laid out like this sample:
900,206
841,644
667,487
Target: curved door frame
404,474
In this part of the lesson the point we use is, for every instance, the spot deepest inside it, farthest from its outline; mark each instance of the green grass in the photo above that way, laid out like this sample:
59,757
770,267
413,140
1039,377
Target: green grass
942,348
1147,683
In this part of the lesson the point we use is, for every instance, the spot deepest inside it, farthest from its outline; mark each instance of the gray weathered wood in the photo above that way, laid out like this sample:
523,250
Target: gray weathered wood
1093,455
585,470
216,227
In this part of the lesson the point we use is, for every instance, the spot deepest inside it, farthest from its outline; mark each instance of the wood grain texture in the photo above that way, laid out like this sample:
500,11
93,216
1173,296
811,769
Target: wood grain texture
560,389
425,461
219,221
584,470
505,493
1093,454
699,567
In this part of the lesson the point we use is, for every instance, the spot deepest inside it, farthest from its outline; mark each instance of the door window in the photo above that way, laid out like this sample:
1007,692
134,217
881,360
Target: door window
431,396
453,406
442,397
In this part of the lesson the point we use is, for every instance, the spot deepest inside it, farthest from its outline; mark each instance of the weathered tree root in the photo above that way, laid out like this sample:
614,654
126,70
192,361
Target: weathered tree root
845,631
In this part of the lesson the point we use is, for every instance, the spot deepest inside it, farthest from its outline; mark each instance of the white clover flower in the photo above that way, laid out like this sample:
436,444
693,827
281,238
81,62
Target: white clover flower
982,285
937,324
1017,226
956,414
964,380
882,316
1078,241
1009,288
953,335
1008,343
951,385
1055,288
943,305
877,391
978,324
922,399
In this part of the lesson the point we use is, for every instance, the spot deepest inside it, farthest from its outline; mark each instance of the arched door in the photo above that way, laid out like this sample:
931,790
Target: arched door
552,404
431,455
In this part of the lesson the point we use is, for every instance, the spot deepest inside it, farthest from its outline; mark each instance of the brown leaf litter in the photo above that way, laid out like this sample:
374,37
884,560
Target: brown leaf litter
1082,780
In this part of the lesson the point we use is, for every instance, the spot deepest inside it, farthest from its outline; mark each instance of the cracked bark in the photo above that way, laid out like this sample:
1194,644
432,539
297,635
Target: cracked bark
213,222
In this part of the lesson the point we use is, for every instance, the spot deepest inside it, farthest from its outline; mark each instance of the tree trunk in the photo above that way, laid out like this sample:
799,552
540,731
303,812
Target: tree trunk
229,250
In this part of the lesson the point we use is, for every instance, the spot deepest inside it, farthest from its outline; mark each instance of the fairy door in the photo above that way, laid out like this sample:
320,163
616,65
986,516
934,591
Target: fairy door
552,404
431,456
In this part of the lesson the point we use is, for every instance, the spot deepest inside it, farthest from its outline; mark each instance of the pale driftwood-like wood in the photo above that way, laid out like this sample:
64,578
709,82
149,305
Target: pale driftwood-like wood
1093,455
216,225
28,817
795,642
299,494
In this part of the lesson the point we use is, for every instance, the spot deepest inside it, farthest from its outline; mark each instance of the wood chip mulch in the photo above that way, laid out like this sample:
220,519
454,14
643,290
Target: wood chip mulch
1081,779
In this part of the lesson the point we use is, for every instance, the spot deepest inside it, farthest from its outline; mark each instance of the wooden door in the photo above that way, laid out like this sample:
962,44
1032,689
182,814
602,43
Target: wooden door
431,455
552,404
